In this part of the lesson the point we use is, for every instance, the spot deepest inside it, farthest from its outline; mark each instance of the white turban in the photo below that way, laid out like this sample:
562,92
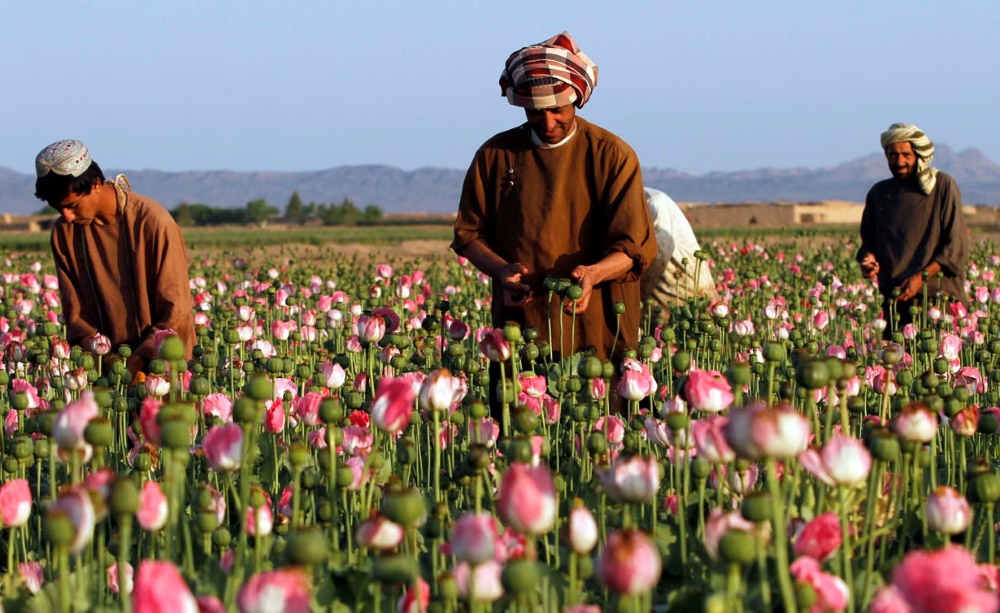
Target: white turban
66,157
922,146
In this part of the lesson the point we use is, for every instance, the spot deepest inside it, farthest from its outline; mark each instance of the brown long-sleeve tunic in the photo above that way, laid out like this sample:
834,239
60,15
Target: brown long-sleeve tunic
127,279
552,209
906,230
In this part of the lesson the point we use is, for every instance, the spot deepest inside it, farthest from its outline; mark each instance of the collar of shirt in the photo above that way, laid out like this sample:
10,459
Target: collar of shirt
537,142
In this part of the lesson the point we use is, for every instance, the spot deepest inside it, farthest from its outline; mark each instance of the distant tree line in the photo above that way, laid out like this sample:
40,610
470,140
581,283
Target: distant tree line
259,212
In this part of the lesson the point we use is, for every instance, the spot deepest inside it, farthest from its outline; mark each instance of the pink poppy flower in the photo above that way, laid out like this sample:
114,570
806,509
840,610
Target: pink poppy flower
708,390
415,600
484,432
379,533
307,408
820,538
115,584
159,587
438,391
948,511
474,538
210,604
494,347
333,375
710,441
153,509
218,405
485,578
371,329
831,591
287,590
357,441
157,386
527,499
33,574
635,384
756,431
916,423
630,563
841,461
274,416
148,412
358,472
76,505
223,447
581,529
635,479
15,502
69,424
392,407
260,520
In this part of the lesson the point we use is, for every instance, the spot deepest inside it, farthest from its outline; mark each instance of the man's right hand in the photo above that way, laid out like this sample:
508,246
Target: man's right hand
515,293
869,266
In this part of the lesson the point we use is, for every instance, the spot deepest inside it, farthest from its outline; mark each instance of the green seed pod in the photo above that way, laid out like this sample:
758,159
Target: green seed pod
307,546
984,487
774,352
988,423
737,547
222,537
99,432
207,522
812,374
757,507
124,497
172,348
590,368
245,410
597,443
701,468
175,433
58,528
405,507
738,374
681,361
200,386
395,568
678,421
259,387
520,576
883,445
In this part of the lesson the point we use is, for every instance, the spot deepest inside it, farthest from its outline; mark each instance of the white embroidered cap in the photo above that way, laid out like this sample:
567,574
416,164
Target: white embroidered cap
66,157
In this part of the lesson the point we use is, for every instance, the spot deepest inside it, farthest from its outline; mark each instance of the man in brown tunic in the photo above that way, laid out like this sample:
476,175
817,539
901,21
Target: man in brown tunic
120,257
558,197
913,226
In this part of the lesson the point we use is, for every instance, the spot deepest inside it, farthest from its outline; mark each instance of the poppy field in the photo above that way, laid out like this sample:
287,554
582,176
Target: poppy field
332,447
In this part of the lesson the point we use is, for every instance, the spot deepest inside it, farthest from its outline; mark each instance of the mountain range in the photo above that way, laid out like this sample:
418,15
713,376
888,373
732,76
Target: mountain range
436,190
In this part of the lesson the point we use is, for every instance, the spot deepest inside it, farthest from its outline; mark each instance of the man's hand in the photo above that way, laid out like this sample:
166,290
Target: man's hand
515,293
869,266
909,289
585,276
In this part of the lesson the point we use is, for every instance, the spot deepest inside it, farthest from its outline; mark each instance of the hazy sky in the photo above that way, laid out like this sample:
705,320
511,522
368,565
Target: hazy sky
307,85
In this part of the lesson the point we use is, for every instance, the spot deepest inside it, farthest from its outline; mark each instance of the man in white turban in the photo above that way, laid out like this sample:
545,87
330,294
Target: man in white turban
120,257
558,197
913,236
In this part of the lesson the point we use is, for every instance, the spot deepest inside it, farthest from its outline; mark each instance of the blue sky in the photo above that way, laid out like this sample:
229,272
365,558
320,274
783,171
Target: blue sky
308,85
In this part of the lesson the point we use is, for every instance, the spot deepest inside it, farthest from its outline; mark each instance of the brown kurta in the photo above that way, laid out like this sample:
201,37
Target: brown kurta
125,280
553,209
906,230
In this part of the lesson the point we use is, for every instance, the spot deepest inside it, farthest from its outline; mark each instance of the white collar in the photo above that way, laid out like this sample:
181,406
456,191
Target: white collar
537,142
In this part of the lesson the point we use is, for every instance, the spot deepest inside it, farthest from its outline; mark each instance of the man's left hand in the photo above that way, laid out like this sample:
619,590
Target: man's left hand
909,289
586,277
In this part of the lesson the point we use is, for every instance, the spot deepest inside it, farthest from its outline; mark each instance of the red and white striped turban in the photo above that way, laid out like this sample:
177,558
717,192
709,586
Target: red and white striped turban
550,74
